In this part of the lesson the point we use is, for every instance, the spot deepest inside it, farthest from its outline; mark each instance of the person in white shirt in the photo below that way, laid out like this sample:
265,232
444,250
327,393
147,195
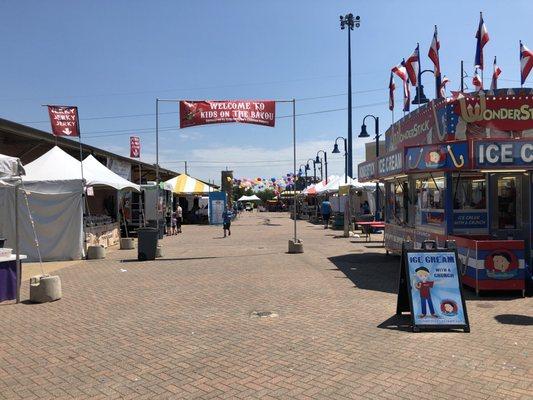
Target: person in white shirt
179,213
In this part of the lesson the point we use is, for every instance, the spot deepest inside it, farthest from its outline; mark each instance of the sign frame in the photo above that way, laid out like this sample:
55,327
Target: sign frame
405,293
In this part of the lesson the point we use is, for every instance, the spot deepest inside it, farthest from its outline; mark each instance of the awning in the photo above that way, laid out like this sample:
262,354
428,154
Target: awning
96,173
184,184
249,198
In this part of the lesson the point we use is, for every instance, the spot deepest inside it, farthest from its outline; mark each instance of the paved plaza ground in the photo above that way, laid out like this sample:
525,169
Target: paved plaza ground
182,326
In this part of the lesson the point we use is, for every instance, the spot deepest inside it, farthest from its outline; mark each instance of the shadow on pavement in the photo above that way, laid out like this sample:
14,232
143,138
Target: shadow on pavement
370,271
397,323
514,319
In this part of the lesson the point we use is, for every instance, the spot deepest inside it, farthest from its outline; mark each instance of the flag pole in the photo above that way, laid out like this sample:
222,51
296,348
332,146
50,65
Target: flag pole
438,76
520,51
419,75
462,77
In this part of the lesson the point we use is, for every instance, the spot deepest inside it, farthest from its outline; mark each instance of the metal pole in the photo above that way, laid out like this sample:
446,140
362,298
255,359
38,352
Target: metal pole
17,243
314,171
186,168
462,77
350,162
326,165
157,162
377,155
294,164
345,162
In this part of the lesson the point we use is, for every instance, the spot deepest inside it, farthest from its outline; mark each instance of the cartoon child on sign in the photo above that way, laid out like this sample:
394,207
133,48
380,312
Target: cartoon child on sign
424,285
501,264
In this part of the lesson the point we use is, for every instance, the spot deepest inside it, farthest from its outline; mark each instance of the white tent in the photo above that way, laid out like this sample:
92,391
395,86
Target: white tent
96,173
10,167
249,198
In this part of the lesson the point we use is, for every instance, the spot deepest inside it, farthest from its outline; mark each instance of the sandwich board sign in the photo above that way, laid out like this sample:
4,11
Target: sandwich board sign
430,289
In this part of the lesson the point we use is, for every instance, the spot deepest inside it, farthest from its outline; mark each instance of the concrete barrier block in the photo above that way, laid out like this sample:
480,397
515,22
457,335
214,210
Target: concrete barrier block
127,244
95,253
45,288
296,246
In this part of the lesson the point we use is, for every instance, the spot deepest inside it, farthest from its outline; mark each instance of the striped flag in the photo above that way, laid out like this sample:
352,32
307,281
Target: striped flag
526,62
482,36
412,65
401,71
433,53
476,81
442,88
392,86
495,74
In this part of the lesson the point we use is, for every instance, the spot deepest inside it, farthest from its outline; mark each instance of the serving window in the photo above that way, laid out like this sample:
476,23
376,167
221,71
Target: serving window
398,202
429,197
469,192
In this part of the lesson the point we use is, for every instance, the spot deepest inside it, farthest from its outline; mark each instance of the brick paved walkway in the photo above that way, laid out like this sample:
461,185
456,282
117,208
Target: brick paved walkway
180,327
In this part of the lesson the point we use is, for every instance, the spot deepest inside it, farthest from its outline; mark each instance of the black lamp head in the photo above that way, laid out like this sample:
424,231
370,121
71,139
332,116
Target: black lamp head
307,168
364,133
317,160
336,149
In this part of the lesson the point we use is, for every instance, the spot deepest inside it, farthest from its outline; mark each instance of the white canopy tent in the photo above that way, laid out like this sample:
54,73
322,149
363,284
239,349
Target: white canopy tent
54,188
249,198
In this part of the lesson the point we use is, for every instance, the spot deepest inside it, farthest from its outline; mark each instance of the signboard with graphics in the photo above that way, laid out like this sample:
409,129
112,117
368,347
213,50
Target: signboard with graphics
259,112
390,164
503,154
64,120
366,171
119,167
430,280
446,156
217,202
503,112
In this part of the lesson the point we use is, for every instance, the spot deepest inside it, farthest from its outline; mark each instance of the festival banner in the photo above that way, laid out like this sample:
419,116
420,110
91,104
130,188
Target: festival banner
64,120
449,156
135,147
503,154
258,112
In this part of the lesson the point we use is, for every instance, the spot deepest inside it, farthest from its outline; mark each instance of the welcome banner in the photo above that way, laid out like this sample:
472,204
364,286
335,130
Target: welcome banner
258,112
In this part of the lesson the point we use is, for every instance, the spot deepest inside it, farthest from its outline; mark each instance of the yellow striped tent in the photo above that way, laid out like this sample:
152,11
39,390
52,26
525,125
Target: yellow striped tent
184,184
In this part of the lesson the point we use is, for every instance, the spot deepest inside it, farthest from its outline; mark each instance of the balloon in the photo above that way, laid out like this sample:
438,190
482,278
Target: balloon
273,179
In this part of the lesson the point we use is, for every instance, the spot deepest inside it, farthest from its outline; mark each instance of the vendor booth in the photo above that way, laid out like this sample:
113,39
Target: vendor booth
192,195
53,185
462,169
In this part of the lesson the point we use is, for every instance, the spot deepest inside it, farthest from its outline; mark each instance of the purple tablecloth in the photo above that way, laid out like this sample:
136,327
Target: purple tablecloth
8,280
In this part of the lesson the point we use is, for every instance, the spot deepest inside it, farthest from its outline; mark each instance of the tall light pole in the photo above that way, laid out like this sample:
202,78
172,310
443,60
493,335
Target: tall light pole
304,172
325,161
364,134
314,168
349,21
336,151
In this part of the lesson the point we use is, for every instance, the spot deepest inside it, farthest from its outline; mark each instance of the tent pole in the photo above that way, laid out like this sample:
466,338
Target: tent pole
17,242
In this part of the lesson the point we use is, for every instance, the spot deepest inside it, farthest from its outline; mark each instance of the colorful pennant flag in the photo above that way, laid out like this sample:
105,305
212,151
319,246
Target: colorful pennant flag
401,71
476,81
412,65
135,147
495,74
433,53
526,62
392,87
482,36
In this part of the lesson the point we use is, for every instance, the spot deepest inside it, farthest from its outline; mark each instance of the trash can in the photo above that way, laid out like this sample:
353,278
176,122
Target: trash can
147,243
2,241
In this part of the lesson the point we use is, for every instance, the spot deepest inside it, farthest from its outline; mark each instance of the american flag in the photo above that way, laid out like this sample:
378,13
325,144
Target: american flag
482,36
401,72
495,74
442,88
476,81
392,86
406,95
412,65
433,53
526,62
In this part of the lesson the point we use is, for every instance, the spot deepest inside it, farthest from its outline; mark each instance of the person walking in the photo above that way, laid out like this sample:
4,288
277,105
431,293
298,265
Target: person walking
226,219
179,220
174,223
325,209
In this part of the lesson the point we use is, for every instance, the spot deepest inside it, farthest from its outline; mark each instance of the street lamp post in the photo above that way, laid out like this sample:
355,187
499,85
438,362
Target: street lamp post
325,162
364,134
349,21
336,151
314,168
304,172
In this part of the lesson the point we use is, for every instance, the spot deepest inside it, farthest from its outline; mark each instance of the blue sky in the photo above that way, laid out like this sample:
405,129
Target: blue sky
113,58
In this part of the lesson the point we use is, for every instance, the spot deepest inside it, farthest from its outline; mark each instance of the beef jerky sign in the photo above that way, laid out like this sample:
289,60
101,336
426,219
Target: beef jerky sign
64,120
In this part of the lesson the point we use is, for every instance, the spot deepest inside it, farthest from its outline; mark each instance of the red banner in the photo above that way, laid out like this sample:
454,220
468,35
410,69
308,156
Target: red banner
64,120
257,112
135,147
505,113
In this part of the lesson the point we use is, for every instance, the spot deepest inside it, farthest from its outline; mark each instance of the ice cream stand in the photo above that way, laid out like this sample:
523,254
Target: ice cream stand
461,168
